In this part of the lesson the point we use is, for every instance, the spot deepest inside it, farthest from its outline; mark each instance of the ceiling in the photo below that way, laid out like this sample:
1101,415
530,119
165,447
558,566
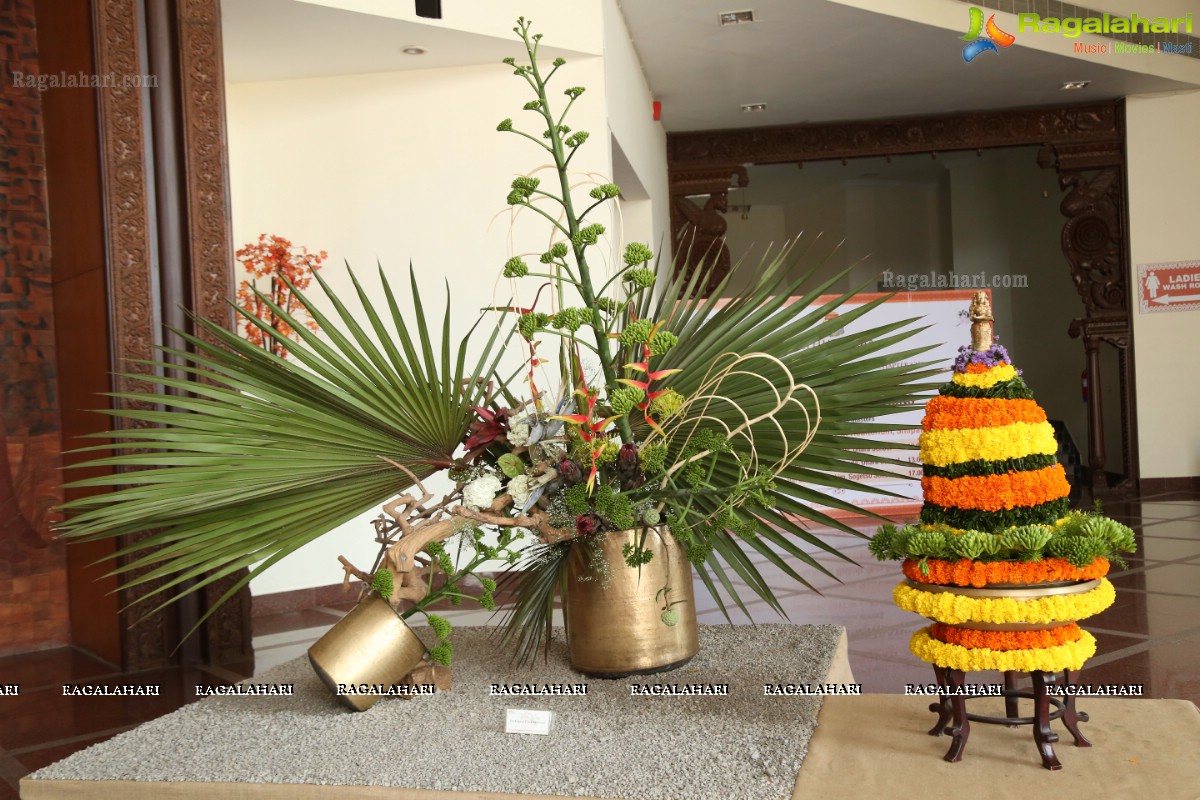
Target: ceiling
808,60
820,61
274,40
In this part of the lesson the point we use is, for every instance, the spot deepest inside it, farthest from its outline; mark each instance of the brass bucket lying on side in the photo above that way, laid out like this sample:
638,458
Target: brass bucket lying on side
371,645
614,619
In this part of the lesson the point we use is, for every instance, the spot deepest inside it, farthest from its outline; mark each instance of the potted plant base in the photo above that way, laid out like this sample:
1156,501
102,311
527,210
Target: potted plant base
623,621
371,645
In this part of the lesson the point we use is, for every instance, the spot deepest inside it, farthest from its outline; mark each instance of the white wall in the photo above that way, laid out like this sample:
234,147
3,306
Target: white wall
1163,176
817,223
408,167
642,142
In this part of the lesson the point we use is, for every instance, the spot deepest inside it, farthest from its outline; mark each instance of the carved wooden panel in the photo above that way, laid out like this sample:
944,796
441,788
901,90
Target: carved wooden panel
202,93
825,141
136,289
206,152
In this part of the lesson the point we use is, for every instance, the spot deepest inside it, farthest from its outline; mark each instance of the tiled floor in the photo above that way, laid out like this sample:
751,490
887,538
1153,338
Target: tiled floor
1151,636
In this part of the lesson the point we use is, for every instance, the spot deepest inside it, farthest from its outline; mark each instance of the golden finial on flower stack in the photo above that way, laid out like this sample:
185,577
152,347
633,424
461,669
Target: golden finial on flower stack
981,318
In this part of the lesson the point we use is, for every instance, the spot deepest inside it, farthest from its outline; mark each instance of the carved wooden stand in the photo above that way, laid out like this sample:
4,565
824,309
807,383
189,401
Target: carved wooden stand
953,708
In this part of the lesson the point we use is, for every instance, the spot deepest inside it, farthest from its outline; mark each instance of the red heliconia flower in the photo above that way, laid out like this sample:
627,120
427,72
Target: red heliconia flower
491,426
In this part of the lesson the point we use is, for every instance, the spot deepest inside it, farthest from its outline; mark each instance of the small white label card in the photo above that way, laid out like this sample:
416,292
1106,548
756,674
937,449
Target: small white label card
527,720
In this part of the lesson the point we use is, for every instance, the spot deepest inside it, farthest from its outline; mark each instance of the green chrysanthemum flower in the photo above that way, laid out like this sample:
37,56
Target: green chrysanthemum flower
927,543
623,399
383,584
515,268
637,253
488,598
662,342
641,278
605,191
569,319
440,625
505,125
638,332
442,654
529,324
588,236
653,457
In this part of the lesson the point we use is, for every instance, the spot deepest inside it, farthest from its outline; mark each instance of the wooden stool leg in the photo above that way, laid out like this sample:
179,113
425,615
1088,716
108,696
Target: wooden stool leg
1010,703
1042,735
961,728
942,706
1071,718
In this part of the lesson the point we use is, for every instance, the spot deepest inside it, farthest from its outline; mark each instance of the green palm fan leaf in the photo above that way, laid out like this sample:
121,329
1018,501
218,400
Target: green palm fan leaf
855,377
256,456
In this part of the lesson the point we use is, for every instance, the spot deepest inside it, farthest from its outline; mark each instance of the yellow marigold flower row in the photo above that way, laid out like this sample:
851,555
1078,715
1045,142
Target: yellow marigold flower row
986,380
944,447
956,609
1070,655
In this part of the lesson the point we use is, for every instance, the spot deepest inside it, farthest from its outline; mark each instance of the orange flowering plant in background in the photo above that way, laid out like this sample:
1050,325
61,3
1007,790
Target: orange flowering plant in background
285,268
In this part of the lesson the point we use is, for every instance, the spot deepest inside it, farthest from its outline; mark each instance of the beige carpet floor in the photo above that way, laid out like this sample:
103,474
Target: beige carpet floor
877,746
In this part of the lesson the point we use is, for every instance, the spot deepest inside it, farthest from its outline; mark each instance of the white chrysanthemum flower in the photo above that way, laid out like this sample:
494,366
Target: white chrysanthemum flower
518,432
518,490
479,493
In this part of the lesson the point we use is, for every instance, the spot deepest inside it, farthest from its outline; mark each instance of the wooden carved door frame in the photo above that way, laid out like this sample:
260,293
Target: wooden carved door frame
167,240
1084,144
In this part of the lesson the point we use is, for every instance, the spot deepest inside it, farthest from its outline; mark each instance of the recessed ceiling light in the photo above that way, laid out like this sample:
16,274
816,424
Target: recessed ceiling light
1072,86
736,17
754,107
413,50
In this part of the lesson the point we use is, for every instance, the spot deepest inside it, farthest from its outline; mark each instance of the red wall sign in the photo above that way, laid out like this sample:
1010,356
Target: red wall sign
1169,287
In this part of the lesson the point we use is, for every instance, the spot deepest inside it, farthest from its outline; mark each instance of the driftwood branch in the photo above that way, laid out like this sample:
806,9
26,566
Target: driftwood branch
536,520
350,569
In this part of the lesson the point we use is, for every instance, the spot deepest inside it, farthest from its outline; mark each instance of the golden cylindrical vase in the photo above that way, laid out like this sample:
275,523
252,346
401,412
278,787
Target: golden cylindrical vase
614,613
370,648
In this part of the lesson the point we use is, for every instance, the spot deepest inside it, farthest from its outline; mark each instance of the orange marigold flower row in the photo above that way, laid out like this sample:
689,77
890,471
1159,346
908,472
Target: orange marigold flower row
995,492
1006,640
976,573
955,413
977,369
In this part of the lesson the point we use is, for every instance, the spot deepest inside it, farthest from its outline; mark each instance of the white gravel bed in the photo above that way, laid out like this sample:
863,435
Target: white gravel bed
607,744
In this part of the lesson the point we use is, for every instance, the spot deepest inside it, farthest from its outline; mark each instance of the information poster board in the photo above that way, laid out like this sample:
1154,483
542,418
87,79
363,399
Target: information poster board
944,314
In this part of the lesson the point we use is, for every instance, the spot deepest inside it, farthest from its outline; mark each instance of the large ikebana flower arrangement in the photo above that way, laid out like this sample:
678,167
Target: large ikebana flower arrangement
997,560
698,431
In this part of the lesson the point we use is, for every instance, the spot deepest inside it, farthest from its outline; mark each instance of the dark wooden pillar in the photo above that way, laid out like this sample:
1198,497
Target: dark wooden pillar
139,224
33,598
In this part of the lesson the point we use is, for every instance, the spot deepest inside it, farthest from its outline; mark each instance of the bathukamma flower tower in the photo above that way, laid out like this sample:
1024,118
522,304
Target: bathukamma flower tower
998,561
